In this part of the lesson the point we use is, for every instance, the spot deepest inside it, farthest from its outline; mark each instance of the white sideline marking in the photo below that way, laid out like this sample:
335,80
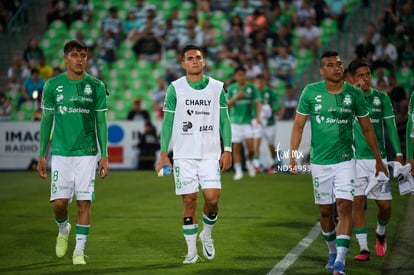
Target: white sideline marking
293,255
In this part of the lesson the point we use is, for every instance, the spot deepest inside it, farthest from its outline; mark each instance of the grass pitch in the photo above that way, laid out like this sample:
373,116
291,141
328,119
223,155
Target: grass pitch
136,227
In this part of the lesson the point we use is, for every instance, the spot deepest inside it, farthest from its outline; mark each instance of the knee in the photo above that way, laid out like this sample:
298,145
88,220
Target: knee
83,206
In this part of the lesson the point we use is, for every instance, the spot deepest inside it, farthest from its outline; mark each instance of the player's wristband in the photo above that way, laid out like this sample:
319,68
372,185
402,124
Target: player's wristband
227,149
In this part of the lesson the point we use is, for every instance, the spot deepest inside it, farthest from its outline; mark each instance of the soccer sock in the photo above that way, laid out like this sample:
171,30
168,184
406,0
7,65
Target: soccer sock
330,240
342,246
190,235
256,162
381,225
362,237
237,167
82,232
208,224
63,225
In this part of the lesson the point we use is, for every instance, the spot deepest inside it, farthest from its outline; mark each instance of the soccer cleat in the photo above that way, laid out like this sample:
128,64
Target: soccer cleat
191,259
250,169
331,261
62,243
272,170
338,269
238,175
362,256
78,259
208,246
381,245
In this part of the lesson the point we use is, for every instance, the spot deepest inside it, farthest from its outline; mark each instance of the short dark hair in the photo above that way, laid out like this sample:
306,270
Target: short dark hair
74,44
240,68
190,47
356,64
327,54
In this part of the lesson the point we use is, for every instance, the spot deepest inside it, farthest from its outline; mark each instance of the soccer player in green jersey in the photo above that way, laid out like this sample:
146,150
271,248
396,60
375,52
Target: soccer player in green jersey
267,130
410,133
195,116
332,105
74,108
381,113
245,110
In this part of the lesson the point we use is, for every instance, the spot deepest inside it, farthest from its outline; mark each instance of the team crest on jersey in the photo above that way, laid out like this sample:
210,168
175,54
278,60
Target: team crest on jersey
376,101
87,90
347,100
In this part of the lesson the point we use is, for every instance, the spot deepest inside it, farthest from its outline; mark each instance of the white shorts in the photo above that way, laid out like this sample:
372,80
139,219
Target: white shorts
73,175
333,181
267,133
241,132
190,174
365,171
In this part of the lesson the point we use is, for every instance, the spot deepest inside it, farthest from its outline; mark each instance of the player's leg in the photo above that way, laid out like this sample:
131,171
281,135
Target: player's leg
84,190
61,193
257,138
364,174
237,137
384,214
250,155
322,178
184,172
210,181
345,174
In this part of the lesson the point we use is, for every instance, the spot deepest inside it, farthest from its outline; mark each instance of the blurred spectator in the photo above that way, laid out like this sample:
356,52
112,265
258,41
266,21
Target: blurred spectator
45,70
279,18
379,74
405,77
283,38
255,22
243,10
209,38
137,112
289,104
252,69
148,146
366,43
407,55
132,25
399,102
387,21
80,35
170,37
304,12
148,47
153,22
309,36
4,18
158,97
82,10
111,23
235,44
106,46
5,107
191,37
18,71
285,65
235,20
405,25
386,54
140,10
383,86
32,87
173,70
57,71
258,42
337,11
59,10
321,11
32,53
95,64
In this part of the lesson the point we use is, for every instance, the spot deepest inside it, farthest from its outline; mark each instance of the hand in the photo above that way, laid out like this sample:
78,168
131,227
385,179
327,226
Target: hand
164,160
239,95
400,159
225,161
41,167
103,167
411,161
293,166
381,167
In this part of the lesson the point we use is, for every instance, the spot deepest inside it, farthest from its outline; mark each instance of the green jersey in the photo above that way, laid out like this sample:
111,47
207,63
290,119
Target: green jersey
332,118
243,110
74,104
380,108
269,101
